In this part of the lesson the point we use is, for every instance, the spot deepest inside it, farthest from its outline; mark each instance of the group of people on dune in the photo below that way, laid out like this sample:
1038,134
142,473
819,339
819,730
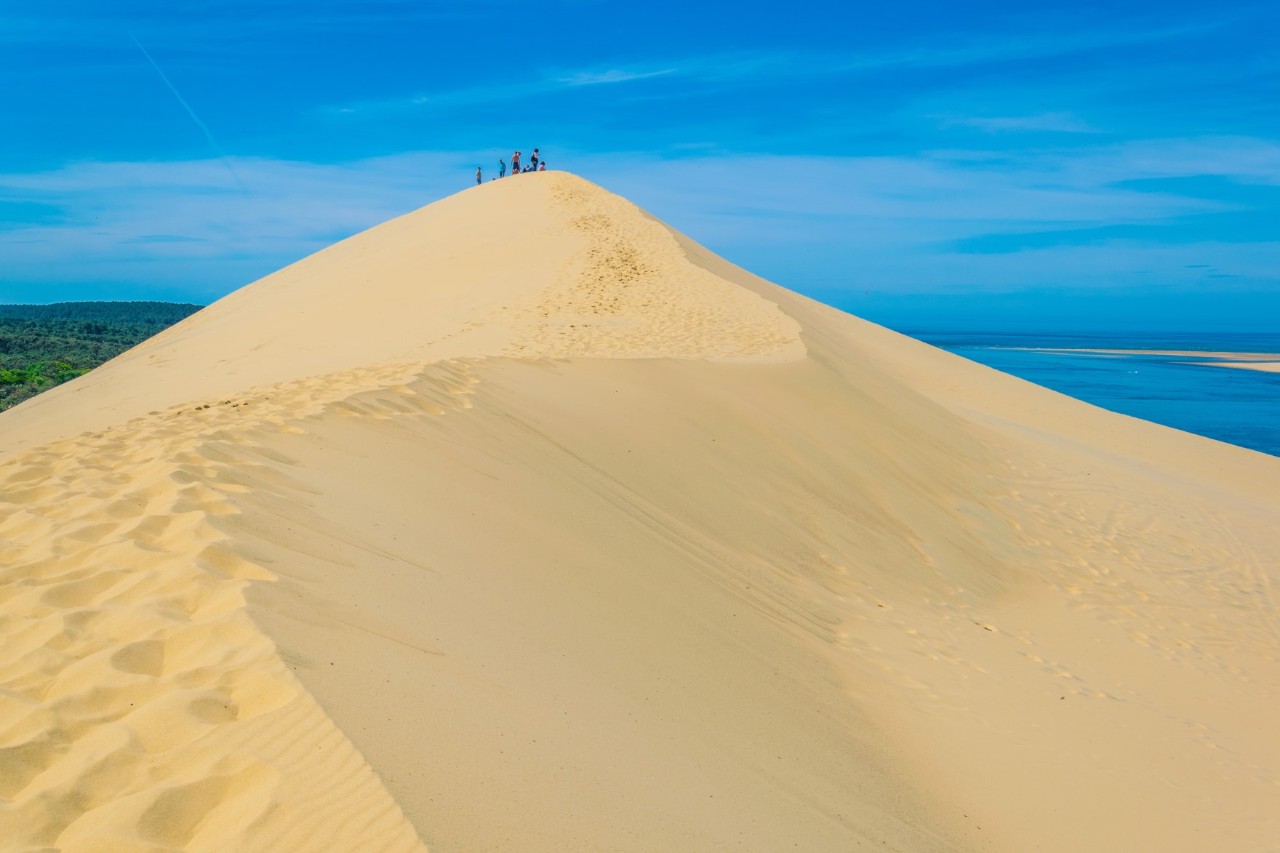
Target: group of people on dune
535,164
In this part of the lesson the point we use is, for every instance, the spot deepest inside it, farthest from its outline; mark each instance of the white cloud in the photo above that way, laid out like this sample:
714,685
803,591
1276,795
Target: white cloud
807,222
188,225
495,93
892,223
1244,159
613,75
1043,122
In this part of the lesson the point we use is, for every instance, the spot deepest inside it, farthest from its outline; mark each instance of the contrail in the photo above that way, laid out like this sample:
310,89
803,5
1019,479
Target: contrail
213,143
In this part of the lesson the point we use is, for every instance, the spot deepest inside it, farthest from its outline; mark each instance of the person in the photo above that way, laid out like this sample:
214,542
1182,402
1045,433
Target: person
479,180
515,163
542,165
502,168
534,160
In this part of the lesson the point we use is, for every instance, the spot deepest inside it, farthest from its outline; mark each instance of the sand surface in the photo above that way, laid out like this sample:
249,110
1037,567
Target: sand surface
1263,366
524,523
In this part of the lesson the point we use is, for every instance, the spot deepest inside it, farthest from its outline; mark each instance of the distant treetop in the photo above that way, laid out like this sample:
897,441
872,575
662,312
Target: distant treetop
130,312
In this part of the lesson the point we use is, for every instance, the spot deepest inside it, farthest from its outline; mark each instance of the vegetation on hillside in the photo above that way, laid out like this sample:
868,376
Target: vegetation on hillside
45,345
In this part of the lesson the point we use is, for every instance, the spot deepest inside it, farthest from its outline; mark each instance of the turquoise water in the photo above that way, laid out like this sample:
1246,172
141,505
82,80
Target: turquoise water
1241,407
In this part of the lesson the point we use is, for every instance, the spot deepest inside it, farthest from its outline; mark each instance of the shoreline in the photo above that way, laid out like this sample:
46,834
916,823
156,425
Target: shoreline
1260,362
1171,384
1206,354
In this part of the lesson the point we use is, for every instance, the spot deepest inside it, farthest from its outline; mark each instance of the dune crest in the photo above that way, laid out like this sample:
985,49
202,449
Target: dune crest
545,265
524,522
632,293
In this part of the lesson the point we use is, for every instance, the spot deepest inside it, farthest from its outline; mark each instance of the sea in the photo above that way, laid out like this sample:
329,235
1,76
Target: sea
1241,407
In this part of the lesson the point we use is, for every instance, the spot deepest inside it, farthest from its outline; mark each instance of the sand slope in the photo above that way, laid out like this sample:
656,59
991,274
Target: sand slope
523,522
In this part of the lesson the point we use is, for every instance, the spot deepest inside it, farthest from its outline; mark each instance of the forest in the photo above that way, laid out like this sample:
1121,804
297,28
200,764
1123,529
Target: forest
45,345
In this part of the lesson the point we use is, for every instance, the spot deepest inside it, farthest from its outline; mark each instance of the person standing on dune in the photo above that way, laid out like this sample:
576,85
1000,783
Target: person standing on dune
533,161
502,168
479,180
515,163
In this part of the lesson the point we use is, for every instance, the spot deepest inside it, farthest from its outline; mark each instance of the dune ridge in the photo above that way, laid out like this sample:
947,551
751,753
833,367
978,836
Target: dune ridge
525,522
144,709
545,267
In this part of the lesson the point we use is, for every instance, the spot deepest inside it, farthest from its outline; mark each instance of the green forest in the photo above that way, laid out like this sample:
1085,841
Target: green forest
45,345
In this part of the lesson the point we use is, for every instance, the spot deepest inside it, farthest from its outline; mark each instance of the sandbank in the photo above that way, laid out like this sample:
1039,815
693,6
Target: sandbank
1225,356
1263,366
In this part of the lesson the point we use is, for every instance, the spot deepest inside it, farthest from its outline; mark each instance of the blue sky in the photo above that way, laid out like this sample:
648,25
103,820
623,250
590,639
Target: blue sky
922,164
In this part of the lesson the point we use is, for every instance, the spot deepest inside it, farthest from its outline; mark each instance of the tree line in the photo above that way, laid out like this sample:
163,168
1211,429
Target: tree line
45,345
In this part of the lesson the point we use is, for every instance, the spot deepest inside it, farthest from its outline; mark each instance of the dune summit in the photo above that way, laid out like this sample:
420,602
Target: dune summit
524,522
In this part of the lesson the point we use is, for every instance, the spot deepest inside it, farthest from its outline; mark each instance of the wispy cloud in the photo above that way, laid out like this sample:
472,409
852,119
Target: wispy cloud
1040,123
184,227
822,224
983,49
955,51
613,75
894,216
719,70
497,93
809,222
70,23
1247,159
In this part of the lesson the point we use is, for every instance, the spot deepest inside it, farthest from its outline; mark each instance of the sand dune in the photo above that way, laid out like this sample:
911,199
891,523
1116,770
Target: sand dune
524,522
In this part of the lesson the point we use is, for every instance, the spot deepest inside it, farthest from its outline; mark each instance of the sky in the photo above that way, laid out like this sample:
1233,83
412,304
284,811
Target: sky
928,165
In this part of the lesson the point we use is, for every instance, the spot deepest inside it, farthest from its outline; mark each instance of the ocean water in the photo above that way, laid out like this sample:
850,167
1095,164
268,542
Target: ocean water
1241,407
